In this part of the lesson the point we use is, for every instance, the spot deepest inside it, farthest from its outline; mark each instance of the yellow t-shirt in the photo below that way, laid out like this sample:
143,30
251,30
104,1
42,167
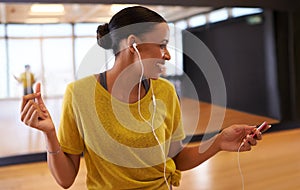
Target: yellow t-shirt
120,149
27,79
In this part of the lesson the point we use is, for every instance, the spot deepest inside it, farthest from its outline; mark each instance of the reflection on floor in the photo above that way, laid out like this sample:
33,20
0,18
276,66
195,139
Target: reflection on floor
16,137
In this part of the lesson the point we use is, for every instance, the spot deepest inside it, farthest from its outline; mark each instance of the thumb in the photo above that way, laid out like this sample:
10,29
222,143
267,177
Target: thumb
249,129
38,88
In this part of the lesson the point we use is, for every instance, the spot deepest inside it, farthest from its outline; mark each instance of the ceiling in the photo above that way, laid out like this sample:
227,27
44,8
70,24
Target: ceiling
74,13
101,10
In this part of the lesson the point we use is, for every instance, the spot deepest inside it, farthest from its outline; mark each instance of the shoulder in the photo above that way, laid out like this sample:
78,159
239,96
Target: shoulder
164,88
162,83
81,85
86,81
79,90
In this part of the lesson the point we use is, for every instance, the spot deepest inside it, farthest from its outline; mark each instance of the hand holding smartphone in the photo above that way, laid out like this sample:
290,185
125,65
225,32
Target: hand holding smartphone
262,128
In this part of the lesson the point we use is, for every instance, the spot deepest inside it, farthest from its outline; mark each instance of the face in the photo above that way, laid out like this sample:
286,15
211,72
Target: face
153,50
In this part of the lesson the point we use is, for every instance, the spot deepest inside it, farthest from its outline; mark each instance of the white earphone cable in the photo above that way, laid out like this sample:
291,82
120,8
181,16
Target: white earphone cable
239,165
153,115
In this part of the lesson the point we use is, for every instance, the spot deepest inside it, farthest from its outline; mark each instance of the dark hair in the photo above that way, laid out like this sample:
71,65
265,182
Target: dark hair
109,35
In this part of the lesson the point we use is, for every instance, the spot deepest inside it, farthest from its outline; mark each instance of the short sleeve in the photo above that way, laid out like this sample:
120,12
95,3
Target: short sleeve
178,133
68,134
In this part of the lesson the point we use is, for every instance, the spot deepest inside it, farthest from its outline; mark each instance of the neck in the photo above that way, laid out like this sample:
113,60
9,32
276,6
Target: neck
124,78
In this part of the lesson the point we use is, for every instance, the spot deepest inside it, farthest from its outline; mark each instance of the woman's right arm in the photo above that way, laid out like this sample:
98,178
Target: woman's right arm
64,167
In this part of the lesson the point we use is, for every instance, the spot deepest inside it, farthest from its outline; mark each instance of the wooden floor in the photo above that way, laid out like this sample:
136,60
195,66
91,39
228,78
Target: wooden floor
273,165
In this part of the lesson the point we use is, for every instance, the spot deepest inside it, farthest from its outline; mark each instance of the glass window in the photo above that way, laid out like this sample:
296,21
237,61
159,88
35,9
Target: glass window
22,52
89,57
218,15
3,70
2,30
178,52
82,47
56,29
109,59
174,66
181,24
58,65
198,20
170,64
86,29
23,30
237,12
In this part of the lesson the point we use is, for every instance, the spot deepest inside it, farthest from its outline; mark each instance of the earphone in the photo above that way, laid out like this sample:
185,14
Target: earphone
261,128
134,45
239,165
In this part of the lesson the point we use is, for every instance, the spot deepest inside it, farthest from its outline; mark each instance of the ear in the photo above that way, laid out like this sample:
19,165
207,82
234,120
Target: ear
131,39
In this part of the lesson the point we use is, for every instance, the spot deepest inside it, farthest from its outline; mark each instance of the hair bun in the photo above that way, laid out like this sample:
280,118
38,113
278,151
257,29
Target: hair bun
103,36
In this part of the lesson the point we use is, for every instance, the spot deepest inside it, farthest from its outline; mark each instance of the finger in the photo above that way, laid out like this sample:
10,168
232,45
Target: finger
31,119
249,128
38,88
251,140
39,98
25,110
28,97
245,145
257,135
28,116
34,119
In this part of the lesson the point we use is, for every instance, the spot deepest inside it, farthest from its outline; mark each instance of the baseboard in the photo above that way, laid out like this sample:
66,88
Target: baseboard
23,159
38,157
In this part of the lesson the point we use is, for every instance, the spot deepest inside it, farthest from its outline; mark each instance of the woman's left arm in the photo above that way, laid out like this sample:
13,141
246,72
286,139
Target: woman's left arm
229,139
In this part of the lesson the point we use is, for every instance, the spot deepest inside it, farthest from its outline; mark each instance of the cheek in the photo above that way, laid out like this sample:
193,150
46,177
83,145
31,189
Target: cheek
152,51
149,66
149,63
152,59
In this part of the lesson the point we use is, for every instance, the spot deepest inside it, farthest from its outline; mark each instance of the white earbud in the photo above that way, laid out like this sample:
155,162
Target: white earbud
134,45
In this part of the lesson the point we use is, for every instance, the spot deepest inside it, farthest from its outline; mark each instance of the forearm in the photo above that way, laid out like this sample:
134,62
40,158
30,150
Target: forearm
61,165
192,156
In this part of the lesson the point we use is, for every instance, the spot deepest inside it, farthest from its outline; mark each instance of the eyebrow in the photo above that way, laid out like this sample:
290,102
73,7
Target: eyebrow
165,41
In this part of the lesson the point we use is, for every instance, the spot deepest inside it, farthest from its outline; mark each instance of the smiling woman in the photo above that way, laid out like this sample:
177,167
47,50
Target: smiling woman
127,120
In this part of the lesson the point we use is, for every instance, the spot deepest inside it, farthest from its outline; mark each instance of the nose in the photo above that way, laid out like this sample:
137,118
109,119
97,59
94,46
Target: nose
166,55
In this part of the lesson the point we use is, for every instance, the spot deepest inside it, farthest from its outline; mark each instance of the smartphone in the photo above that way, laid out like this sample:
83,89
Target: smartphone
262,127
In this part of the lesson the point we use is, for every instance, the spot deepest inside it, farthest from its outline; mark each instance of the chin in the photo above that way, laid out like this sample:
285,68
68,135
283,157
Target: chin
155,77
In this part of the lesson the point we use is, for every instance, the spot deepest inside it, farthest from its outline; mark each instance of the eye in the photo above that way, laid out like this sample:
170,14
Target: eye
163,46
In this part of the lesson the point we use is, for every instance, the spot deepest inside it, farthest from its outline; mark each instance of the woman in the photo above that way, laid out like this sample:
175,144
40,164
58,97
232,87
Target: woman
126,121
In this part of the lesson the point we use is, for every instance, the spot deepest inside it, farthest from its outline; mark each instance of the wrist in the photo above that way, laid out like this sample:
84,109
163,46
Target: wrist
218,142
52,145
53,152
212,145
50,133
